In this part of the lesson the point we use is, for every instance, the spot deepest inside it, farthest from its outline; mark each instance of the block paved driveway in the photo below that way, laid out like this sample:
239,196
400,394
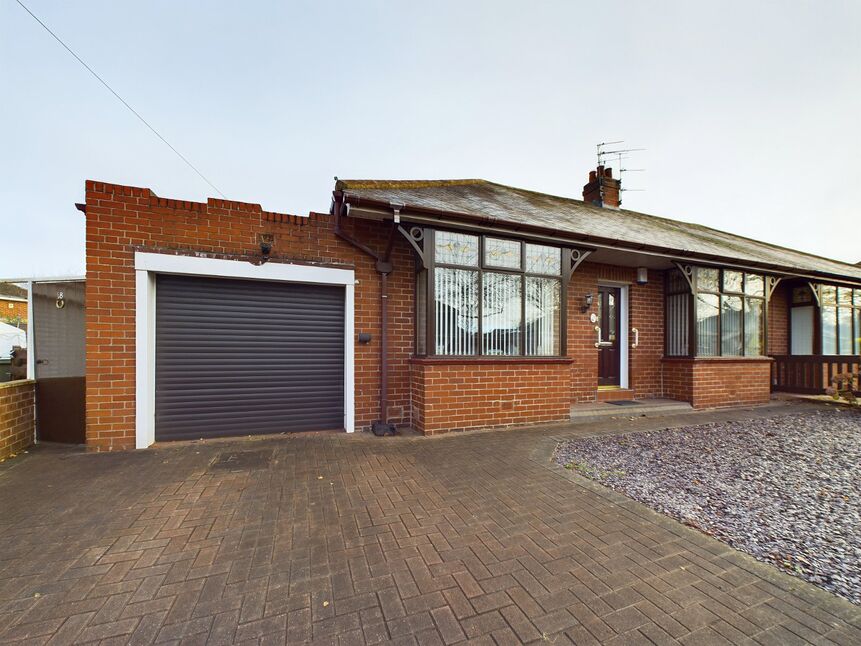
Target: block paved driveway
350,540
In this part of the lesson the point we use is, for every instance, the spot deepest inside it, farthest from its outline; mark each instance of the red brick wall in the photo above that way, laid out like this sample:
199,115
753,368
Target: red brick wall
122,220
646,314
17,422
713,383
778,321
431,395
458,395
13,310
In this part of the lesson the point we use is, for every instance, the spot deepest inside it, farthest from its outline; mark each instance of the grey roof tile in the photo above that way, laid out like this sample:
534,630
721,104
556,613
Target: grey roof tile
506,205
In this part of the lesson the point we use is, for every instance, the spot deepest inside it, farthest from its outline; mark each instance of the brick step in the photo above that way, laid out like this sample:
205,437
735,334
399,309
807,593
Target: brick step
615,394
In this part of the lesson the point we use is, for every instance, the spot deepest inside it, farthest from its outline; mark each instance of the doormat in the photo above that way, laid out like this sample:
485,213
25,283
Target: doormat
241,460
624,402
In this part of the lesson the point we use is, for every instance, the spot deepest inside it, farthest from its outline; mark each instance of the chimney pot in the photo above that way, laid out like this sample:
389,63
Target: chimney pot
602,190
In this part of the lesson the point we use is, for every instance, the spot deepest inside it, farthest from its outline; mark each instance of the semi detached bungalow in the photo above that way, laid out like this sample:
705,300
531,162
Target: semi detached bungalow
436,305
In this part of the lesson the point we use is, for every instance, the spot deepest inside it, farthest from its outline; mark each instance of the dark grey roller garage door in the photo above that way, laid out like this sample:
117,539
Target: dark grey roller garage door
241,357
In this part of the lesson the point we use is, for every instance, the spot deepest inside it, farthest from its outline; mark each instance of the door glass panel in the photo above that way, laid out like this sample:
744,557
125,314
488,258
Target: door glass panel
801,330
611,316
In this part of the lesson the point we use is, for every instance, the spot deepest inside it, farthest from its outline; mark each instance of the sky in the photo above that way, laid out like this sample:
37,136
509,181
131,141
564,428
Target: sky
750,112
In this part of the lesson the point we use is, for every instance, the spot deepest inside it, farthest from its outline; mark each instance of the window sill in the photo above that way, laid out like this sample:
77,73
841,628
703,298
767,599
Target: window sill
760,359
437,361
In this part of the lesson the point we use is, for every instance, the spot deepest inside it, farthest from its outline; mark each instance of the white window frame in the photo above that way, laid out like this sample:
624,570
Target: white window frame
148,265
624,331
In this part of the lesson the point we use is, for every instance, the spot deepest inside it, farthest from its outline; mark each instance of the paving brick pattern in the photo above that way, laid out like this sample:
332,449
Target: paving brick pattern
335,539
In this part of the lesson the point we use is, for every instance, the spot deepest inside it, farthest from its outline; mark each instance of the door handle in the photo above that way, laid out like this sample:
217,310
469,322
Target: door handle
600,343
636,337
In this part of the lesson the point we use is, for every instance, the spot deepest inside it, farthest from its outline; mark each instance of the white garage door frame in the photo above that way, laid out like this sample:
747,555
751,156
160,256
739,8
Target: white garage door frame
148,265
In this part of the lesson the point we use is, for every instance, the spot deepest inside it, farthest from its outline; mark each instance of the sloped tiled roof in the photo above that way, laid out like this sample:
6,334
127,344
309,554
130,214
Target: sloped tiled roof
505,205
11,290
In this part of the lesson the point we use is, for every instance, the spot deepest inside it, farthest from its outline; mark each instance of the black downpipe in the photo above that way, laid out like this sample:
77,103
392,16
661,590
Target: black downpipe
384,267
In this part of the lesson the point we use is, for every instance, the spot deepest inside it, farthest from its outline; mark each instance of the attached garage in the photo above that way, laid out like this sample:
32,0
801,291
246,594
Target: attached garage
227,348
247,357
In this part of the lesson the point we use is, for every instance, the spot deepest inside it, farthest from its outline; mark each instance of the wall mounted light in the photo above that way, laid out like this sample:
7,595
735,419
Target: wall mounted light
642,275
587,302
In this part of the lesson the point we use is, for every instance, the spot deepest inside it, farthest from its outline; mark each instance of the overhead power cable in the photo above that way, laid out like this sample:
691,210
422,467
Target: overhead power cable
121,99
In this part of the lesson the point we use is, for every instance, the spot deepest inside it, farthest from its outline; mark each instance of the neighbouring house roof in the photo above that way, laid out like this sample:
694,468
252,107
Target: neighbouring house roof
503,206
9,291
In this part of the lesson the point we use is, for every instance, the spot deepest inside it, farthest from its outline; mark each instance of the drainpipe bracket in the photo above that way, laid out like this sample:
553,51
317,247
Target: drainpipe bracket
384,267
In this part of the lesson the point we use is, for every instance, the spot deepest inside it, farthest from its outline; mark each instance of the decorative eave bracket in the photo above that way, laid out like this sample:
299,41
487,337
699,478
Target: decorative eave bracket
416,237
577,256
688,273
816,288
771,283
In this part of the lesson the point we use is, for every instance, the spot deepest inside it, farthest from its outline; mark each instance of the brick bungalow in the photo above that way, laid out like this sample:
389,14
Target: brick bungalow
439,305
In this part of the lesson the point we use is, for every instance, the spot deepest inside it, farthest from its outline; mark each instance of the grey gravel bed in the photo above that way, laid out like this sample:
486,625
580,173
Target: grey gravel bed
786,490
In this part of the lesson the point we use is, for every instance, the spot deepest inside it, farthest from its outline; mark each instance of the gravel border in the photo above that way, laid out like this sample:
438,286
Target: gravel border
786,490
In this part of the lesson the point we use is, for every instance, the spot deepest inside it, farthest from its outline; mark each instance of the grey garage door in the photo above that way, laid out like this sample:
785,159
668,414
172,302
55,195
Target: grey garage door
241,357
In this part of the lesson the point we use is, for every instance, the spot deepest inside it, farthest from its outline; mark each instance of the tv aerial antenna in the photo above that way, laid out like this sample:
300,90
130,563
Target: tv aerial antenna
607,151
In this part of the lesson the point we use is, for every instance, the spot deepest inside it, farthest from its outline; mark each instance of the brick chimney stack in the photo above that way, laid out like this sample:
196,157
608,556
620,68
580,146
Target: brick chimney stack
602,190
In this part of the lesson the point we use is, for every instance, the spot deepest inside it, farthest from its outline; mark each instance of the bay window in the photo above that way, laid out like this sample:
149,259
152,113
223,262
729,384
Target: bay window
840,320
492,297
728,317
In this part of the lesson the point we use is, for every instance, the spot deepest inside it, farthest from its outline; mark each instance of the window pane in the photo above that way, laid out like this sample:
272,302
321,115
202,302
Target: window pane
844,323
456,296
732,281
858,331
502,253
501,313
753,328
421,312
541,259
707,279
708,315
456,248
828,295
731,326
678,322
542,316
844,296
677,283
829,330
754,285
